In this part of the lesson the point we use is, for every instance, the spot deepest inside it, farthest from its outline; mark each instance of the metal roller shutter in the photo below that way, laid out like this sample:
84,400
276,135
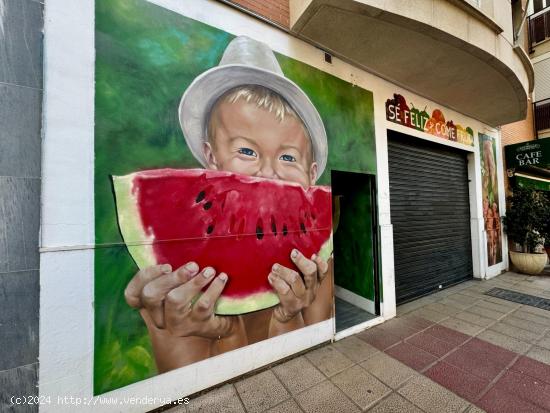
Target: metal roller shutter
430,213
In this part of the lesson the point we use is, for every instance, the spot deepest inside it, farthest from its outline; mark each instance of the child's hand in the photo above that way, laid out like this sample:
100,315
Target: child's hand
169,297
294,293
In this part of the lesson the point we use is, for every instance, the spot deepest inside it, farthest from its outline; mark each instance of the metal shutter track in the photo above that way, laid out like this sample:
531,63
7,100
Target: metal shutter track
430,212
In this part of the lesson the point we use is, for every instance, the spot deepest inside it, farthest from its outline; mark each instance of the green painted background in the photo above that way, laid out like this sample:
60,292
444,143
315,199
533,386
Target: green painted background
146,57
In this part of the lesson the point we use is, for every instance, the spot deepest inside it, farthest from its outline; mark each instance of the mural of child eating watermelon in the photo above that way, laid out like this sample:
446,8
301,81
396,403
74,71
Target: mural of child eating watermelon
244,117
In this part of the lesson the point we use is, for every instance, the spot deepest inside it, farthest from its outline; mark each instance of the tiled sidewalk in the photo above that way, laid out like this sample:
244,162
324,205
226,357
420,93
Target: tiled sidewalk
454,351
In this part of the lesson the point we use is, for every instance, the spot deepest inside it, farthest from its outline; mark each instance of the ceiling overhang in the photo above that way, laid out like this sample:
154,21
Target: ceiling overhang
418,57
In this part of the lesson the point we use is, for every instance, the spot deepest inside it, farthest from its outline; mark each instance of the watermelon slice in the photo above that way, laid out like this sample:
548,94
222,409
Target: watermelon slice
238,224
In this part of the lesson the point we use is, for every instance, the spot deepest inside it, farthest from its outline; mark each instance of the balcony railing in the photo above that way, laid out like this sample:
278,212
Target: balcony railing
541,112
539,27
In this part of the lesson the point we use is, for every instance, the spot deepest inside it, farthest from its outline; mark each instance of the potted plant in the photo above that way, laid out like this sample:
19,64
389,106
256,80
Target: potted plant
526,223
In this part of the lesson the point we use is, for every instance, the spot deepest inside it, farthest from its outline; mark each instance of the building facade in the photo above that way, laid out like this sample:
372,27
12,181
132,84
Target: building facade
385,113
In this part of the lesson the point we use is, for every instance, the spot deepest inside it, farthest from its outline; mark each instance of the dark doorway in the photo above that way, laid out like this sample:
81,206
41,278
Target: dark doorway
357,284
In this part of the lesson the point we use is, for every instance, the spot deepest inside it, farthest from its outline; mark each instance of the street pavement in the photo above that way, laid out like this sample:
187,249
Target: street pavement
454,351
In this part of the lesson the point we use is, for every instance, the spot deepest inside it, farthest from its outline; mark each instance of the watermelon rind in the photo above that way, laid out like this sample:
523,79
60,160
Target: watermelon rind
326,249
139,244
253,302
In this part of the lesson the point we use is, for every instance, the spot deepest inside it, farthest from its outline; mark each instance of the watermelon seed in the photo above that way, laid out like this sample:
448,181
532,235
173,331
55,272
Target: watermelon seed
210,229
200,197
285,230
208,205
273,225
303,227
259,233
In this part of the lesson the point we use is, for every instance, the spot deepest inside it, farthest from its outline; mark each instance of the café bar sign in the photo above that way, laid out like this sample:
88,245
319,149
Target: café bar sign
528,154
399,112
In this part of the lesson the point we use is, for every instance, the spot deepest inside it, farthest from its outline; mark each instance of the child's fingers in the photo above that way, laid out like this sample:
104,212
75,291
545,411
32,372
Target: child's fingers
205,303
180,297
132,293
307,267
152,295
322,266
280,287
292,278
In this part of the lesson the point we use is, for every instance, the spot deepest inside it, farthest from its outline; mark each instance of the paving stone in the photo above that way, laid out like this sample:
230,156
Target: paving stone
388,370
474,409
502,302
462,326
289,406
379,338
298,374
526,388
457,303
261,391
540,354
463,298
498,401
536,311
442,309
518,333
417,323
447,334
431,397
430,344
474,293
427,314
475,319
325,397
498,307
223,399
411,356
329,360
544,343
394,403
413,305
526,315
533,368
355,349
504,341
474,364
460,382
525,324
361,387
483,311
527,289
489,351
397,327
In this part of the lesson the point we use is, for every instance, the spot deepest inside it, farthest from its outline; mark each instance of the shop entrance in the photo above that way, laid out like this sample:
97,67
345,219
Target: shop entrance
356,275
430,214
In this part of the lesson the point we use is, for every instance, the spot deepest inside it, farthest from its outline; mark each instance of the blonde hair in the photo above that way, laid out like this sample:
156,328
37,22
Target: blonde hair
263,98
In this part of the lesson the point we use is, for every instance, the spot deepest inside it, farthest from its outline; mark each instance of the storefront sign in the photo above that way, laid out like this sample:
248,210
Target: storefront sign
398,111
525,154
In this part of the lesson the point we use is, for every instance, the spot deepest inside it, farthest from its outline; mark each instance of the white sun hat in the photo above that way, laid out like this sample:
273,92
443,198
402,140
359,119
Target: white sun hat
246,61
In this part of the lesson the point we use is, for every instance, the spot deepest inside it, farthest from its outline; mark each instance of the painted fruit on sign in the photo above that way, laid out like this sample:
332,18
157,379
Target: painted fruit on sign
237,224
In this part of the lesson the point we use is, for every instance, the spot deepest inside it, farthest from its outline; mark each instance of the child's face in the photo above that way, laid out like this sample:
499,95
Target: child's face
252,141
